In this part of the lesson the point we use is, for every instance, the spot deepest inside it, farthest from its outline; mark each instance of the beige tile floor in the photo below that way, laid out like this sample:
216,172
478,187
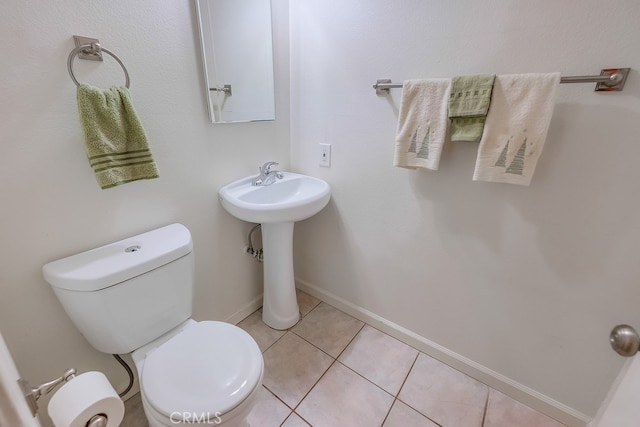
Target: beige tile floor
331,370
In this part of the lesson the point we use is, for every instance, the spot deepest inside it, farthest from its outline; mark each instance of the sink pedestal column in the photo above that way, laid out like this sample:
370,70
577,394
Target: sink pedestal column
280,305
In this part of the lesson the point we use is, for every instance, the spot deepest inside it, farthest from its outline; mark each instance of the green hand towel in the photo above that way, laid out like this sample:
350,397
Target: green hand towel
115,140
468,106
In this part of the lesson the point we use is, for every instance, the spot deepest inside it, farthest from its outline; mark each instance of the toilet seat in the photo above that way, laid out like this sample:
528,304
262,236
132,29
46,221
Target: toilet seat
208,368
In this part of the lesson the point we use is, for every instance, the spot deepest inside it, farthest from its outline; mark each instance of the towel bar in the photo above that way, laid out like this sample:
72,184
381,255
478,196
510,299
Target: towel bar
91,49
610,79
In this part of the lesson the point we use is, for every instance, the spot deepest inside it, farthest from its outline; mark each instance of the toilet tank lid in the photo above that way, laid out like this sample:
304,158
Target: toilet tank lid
119,261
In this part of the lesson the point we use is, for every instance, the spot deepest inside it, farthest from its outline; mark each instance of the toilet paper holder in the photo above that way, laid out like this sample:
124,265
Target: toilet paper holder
32,394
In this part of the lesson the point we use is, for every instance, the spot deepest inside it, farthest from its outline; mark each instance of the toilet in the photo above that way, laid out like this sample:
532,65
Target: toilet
136,296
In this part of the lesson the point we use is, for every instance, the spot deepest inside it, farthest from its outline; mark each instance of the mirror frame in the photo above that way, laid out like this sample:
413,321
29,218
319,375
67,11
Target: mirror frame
219,94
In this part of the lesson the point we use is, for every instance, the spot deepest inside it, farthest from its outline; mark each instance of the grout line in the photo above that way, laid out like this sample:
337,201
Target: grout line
366,379
314,385
312,344
351,340
312,308
407,377
285,420
276,396
270,345
486,407
279,338
284,330
301,417
401,387
395,397
388,412
345,347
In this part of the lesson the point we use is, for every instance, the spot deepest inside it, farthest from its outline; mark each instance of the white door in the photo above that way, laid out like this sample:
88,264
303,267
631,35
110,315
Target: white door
621,408
13,407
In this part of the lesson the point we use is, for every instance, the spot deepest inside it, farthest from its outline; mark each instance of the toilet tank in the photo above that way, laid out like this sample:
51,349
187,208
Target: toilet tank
125,294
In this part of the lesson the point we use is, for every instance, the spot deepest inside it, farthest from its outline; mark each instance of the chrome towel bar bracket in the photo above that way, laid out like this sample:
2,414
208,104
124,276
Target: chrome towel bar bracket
91,53
226,89
89,48
610,79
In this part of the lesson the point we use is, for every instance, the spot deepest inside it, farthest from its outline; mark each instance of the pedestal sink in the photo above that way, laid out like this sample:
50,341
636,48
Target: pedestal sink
277,206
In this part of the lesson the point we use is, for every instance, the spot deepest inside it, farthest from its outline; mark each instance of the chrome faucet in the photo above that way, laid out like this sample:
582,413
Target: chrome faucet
267,176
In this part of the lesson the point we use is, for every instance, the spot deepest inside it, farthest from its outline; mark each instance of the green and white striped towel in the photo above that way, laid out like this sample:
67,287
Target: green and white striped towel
115,141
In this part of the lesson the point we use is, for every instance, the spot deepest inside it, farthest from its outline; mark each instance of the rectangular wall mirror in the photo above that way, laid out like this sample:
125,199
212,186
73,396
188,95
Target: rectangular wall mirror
237,53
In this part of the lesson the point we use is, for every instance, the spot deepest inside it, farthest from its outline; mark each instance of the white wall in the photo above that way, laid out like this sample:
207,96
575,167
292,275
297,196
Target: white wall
526,282
52,206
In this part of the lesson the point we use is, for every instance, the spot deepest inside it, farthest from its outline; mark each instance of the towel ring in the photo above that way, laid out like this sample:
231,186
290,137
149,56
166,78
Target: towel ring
93,48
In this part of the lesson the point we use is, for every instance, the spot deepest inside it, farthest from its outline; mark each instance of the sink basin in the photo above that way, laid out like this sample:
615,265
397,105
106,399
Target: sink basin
277,207
293,198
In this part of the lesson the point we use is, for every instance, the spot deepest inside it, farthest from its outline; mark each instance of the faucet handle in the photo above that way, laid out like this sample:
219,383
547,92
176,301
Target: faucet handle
266,168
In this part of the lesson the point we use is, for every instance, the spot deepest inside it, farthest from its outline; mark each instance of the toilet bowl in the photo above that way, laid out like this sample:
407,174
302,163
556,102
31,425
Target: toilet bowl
208,373
135,296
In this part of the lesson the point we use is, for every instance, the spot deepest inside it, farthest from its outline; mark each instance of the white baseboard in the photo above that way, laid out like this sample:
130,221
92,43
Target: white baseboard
511,388
239,315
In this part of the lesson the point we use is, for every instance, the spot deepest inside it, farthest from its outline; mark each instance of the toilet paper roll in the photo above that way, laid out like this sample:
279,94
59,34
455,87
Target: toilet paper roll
84,396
